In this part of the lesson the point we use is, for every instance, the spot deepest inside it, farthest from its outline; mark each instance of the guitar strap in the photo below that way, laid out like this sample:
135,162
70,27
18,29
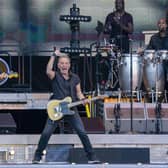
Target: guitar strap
72,91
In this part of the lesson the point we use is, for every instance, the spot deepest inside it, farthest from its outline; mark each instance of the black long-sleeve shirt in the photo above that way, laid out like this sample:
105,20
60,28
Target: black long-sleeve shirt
120,36
158,43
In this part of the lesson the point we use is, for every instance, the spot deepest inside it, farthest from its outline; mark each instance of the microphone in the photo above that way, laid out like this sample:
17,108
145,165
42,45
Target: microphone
54,51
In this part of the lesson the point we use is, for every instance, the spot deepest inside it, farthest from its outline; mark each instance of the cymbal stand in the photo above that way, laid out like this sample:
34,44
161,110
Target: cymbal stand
112,73
157,76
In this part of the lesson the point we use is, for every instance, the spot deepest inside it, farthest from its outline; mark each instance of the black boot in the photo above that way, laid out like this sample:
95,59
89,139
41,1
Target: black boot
93,160
37,157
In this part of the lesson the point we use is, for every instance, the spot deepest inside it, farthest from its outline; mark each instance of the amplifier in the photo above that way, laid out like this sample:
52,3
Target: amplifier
7,124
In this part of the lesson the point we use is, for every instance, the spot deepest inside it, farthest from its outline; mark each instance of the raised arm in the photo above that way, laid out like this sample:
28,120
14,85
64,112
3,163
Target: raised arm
49,69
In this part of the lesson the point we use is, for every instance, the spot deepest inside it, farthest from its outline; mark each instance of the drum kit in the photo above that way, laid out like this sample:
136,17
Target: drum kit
142,74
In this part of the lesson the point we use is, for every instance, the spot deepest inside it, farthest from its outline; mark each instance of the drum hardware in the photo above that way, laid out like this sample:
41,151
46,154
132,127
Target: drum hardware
153,74
106,48
137,96
165,96
113,61
150,96
158,118
117,117
155,96
131,88
111,75
163,54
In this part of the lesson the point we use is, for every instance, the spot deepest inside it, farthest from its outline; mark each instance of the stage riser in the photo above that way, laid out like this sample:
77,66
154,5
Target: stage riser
70,153
144,118
24,145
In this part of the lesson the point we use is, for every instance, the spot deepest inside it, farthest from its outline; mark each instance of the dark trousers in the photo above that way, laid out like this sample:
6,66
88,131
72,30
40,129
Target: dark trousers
76,123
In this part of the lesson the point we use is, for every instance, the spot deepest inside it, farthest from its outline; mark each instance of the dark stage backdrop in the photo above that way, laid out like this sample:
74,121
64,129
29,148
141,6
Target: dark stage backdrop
36,79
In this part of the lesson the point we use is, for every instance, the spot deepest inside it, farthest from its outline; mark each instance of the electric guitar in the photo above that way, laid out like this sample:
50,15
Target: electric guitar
56,109
11,75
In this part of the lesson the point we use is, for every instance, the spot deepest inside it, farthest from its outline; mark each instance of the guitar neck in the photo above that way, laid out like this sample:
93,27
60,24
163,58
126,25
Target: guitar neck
81,102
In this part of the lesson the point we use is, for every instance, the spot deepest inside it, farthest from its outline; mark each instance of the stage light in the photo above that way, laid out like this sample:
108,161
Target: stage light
75,18
12,152
75,50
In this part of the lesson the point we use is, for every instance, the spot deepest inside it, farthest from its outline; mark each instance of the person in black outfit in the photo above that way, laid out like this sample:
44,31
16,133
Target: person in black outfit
65,83
159,41
119,24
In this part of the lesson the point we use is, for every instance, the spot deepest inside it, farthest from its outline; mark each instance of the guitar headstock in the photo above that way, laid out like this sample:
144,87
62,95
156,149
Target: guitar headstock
13,75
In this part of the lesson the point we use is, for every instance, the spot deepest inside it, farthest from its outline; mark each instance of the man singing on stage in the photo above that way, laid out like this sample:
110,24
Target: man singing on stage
64,84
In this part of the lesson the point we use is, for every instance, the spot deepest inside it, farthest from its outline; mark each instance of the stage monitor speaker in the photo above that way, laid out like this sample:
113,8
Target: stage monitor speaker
112,155
121,122
154,123
58,153
7,124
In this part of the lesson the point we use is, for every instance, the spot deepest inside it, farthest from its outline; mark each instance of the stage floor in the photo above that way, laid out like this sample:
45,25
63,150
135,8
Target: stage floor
103,165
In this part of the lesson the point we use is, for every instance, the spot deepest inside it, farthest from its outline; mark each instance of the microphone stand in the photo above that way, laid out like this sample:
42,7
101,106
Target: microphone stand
158,104
131,89
158,117
99,28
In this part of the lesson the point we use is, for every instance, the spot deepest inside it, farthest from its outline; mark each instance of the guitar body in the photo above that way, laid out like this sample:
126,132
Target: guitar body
54,108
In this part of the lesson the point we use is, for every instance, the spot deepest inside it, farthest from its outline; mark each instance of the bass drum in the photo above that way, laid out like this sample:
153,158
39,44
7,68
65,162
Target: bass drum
125,69
153,73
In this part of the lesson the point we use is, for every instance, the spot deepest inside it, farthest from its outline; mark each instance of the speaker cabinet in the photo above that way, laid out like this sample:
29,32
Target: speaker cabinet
112,155
7,124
